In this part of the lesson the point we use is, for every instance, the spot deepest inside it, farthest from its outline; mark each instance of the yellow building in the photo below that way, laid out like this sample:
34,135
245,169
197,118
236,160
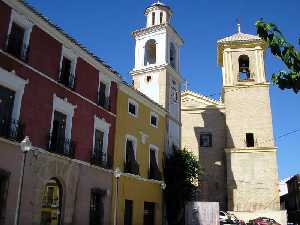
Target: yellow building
139,151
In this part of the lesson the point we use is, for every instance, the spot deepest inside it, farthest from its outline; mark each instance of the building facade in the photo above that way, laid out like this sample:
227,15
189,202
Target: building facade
139,153
233,137
291,200
64,98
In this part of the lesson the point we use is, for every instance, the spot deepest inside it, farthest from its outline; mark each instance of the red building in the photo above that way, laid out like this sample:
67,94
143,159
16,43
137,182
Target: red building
63,98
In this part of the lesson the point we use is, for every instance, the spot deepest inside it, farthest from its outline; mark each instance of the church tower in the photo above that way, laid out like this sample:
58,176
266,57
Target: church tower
157,65
252,177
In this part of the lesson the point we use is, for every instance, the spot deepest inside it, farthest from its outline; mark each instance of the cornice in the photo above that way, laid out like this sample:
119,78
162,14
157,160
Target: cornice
251,150
247,85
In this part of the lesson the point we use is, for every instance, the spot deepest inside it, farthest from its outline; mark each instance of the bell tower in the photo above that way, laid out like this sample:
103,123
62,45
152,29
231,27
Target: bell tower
157,65
252,177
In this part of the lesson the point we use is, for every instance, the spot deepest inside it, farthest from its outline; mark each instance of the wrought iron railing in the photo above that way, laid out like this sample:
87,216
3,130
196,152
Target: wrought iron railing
98,158
61,146
155,174
12,129
67,79
16,48
132,167
103,101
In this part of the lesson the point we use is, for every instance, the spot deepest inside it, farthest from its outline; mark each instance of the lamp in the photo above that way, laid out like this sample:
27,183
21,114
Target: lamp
163,186
26,144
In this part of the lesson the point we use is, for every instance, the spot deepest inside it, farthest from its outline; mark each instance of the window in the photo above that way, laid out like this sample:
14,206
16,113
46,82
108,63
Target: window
4,177
131,165
154,172
9,127
244,72
18,36
161,17
67,68
150,52
132,108
205,140
250,139
149,213
52,203
97,207
153,18
154,119
173,56
60,133
99,153
103,94
128,212
148,78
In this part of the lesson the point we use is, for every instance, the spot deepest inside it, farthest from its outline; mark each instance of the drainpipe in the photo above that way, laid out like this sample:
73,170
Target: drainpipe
25,146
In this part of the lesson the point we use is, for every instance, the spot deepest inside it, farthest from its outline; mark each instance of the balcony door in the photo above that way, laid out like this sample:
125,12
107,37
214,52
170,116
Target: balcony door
7,97
102,94
58,132
65,71
98,149
15,41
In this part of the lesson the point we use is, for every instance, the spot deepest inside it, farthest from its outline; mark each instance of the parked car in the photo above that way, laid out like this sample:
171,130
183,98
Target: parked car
228,218
263,221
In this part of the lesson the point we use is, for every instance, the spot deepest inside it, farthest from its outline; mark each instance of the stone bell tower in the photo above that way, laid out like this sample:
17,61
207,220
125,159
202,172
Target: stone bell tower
157,66
252,177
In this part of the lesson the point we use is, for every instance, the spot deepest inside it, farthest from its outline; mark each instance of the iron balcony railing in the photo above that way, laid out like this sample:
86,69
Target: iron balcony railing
132,167
61,146
103,101
155,174
12,129
16,48
98,158
67,79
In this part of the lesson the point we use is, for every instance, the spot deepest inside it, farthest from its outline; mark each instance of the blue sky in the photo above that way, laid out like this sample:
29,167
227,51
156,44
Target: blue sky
105,28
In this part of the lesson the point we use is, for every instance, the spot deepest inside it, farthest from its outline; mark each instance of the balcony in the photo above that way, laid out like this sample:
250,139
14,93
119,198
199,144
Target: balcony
16,48
12,130
67,79
155,174
61,146
103,101
132,167
98,158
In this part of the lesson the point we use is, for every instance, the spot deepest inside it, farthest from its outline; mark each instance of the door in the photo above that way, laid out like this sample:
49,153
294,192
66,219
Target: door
128,212
96,208
149,213
7,97
58,132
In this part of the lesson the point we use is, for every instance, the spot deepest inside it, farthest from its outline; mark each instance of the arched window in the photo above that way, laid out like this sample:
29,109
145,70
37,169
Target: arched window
150,52
173,55
52,203
244,72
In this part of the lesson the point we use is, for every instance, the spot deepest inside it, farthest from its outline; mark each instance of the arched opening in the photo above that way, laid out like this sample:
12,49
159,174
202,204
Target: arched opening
150,52
173,55
244,72
52,203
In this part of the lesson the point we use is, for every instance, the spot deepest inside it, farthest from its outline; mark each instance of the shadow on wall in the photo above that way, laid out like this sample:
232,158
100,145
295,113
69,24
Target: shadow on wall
212,157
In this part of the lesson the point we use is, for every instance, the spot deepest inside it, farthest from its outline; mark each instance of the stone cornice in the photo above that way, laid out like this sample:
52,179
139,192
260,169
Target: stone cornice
251,150
152,29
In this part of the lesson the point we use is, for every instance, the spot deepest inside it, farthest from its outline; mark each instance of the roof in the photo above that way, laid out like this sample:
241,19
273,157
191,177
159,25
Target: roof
73,40
158,4
239,37
193,100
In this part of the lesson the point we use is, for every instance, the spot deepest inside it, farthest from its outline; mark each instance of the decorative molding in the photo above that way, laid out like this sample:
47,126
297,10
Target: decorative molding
102,125
144,137
17,84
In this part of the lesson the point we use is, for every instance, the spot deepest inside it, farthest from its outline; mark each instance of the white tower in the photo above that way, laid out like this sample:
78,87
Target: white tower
157,71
